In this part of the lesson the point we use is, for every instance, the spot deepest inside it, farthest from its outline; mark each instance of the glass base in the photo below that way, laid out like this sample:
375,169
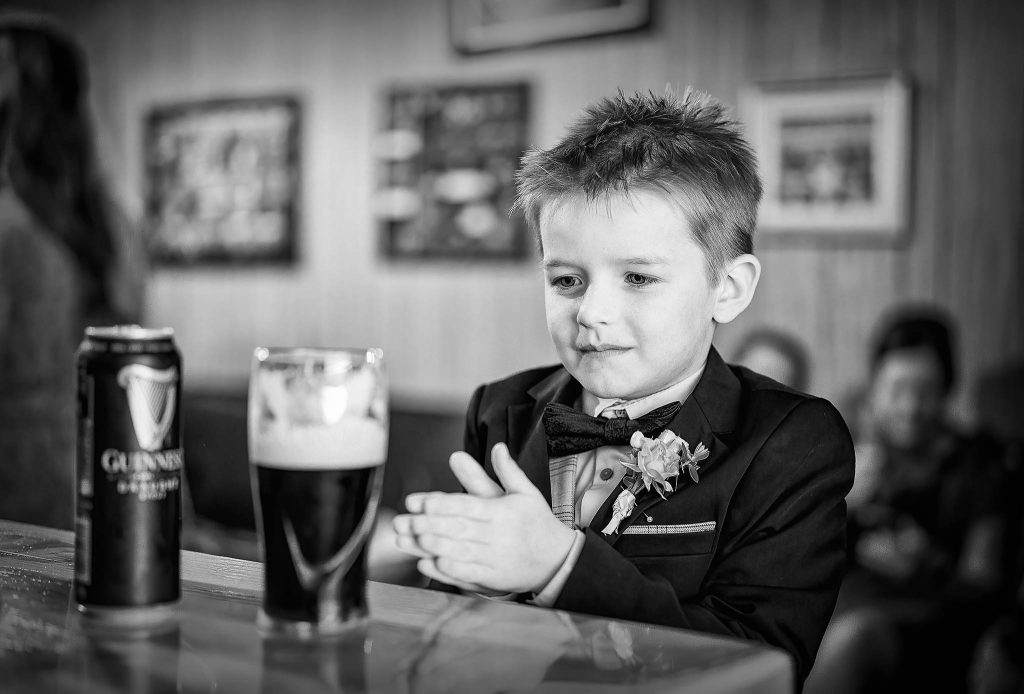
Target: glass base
295,629
149,619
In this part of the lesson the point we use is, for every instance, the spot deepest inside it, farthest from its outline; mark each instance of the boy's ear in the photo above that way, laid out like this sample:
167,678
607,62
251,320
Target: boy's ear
737,287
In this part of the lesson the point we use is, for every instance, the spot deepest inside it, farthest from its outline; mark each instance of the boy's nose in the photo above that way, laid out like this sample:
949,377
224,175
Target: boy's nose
597,307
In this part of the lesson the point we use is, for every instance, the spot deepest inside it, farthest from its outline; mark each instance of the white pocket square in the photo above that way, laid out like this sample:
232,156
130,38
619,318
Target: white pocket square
680,529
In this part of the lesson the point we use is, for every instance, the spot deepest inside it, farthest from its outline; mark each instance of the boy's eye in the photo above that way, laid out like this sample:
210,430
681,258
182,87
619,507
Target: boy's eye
638,280
565,282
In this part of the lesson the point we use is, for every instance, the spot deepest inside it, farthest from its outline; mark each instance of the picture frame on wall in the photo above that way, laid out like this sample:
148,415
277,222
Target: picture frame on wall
223,181
834,156
446,157
478,26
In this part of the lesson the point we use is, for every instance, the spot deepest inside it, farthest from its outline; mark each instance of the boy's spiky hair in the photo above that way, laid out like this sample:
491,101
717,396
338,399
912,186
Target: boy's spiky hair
684,147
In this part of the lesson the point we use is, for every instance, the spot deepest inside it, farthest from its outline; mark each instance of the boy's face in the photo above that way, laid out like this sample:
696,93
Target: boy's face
628,301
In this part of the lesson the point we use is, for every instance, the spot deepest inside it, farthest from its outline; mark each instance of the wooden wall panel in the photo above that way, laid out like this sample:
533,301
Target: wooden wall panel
447,326
927,59
827,293
987,127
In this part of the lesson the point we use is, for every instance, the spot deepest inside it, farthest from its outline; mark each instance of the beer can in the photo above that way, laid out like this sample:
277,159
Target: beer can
129,474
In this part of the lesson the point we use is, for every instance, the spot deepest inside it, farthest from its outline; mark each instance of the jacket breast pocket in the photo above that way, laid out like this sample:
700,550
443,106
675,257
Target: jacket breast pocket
656,540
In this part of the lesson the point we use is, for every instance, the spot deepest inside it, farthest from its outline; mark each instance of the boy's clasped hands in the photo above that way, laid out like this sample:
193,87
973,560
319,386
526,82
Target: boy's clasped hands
492,539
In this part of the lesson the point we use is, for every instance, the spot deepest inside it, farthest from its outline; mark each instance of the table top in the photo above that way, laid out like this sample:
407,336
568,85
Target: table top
414,641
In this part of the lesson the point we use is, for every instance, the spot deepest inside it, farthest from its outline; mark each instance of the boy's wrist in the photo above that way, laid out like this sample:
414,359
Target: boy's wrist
565,538
548,593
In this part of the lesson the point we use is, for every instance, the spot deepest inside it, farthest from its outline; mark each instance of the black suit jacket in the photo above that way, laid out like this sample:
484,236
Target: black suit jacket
756,549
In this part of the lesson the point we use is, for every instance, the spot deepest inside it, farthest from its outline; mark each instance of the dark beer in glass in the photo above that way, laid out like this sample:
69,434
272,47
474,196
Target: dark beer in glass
317,444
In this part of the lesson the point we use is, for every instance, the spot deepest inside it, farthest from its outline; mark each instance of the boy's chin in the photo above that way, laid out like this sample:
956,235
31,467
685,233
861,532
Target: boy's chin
608,388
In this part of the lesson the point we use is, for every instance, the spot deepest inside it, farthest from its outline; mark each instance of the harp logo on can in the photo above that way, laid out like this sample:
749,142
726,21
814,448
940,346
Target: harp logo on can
151,402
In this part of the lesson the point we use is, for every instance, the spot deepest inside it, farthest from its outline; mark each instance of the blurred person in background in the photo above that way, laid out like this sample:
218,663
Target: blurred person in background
777,355
925,526
998,663
67,260
998,666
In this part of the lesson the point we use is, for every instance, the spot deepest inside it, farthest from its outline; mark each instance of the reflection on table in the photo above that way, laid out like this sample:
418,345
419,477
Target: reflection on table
416,641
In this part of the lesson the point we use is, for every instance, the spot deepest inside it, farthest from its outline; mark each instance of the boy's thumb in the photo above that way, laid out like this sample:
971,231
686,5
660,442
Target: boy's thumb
472,477
511,476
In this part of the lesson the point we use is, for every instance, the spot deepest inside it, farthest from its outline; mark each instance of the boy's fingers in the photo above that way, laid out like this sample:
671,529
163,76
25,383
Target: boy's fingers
428,567
402,523
467,572
443,504
414,503
429,535
472,476
408,544
405,537
509,473
454,527
438,546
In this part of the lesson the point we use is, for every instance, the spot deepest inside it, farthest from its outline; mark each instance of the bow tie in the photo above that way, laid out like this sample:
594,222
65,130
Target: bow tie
570,431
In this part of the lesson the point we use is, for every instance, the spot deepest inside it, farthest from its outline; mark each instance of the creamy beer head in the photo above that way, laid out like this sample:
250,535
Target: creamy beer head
352,442
317,412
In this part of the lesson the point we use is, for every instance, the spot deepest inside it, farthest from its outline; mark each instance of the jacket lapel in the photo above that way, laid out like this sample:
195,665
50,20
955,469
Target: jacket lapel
525,425
709,413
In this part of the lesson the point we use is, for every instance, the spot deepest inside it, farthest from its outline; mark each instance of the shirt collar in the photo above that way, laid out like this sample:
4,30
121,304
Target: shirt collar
678,392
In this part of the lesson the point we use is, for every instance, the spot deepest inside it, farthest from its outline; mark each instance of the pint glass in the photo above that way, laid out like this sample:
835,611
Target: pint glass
317,443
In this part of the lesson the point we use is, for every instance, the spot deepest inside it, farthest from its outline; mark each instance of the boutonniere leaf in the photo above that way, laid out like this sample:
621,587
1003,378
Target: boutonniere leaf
690,464
653,464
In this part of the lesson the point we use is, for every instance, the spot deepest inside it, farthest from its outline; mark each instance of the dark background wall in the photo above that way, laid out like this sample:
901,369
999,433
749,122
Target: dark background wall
445,327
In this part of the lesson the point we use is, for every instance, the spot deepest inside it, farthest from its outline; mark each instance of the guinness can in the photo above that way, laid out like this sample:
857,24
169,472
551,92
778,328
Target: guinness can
129,468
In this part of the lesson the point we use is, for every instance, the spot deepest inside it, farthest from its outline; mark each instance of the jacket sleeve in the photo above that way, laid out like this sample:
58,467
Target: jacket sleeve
778,562
474,437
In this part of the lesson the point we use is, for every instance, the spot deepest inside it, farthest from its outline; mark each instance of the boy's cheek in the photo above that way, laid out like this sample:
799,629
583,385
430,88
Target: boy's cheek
565,348
563,330
558,323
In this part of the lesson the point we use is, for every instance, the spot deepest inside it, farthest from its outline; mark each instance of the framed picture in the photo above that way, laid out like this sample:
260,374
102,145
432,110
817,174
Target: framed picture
486,25
223,181
834,155
446,157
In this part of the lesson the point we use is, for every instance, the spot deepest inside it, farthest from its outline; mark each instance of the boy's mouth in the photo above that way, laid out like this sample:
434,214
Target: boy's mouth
589,348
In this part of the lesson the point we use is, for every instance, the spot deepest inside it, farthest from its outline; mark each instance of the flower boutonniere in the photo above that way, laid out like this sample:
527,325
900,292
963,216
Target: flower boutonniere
652,464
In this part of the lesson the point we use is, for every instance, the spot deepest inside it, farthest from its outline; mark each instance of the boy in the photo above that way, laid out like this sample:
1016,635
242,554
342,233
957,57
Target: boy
644,213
